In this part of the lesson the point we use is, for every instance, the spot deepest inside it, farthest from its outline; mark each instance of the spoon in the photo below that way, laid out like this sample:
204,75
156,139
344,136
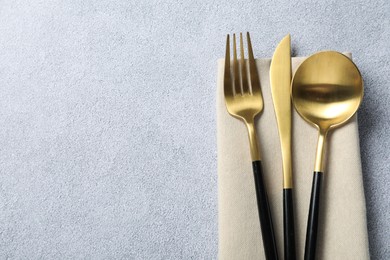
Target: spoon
327,89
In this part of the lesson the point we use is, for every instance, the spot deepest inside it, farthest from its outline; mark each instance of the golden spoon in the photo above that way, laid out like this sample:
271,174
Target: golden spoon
327,89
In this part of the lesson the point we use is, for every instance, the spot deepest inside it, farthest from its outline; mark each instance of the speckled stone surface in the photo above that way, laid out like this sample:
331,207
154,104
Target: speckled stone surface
107,119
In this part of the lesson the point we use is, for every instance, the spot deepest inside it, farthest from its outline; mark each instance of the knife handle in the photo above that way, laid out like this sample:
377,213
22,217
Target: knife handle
267,229
288,225
312,222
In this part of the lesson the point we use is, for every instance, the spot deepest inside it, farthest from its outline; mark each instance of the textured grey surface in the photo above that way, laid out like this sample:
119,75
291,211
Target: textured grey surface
107,119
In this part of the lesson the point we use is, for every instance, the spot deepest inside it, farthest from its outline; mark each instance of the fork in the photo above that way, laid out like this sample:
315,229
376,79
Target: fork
244,101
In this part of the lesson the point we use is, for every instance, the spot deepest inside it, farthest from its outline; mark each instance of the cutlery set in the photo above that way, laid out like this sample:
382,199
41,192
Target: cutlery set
326,91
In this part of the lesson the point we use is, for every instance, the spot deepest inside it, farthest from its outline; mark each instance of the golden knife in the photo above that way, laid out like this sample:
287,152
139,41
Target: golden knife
280,77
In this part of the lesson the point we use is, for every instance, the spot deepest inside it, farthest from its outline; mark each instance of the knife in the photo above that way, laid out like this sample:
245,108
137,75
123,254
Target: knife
280,77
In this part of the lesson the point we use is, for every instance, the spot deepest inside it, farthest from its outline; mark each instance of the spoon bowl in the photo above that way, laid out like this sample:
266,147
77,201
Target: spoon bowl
326,90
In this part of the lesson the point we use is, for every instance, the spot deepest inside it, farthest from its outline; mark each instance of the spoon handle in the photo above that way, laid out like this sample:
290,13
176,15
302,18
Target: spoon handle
267,229
312,222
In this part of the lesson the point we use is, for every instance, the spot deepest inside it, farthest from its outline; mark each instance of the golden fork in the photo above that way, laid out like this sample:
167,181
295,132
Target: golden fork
244,101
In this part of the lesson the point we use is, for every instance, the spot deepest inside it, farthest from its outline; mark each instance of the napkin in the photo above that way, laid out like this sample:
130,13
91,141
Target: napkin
342,223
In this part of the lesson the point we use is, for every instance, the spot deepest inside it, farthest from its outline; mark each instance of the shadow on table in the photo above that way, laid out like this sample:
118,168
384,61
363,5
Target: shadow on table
369,123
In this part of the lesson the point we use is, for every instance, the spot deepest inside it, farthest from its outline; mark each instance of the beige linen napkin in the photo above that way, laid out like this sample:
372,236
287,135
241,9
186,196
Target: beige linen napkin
342,230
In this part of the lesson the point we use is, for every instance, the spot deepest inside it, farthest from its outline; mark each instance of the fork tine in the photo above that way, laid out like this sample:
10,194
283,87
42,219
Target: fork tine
254,77
244,77
237,85
228,90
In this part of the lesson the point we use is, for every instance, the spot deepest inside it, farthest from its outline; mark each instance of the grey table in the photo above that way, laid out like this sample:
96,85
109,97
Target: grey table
107,119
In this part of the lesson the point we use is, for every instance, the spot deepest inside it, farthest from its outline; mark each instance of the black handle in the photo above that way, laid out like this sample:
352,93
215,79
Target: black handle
267,229
312,222
288,225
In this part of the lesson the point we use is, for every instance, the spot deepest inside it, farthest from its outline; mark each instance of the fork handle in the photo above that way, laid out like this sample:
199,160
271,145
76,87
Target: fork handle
267,229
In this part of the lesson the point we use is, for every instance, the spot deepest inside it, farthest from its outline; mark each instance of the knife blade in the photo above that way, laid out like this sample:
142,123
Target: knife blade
280,79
